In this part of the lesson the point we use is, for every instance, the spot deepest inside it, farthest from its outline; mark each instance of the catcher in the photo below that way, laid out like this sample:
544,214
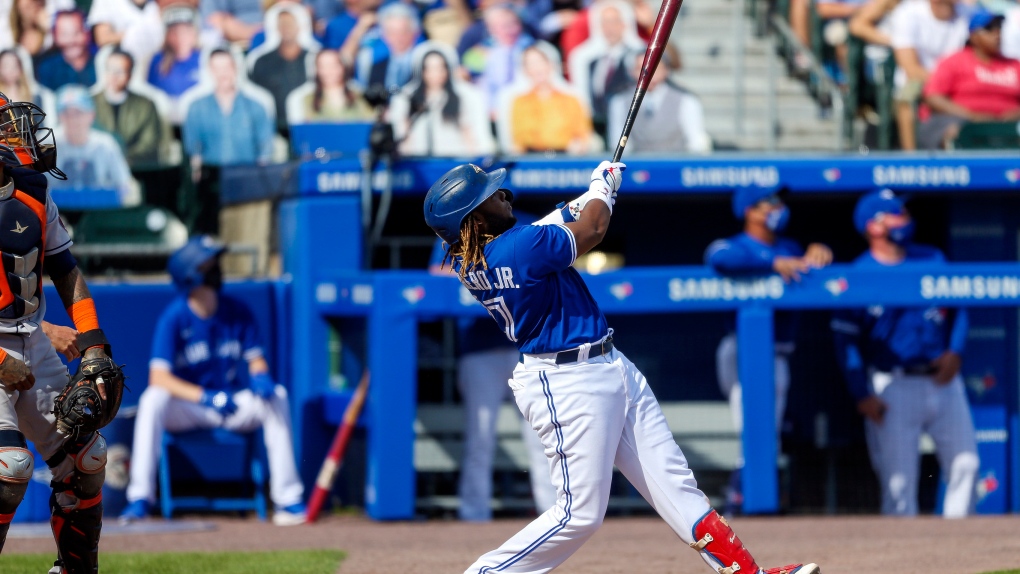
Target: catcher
60,414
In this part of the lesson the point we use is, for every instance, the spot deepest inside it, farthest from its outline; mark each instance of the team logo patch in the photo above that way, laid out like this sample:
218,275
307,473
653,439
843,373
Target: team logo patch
621,290
986,485
18,228
832,174
837,286
413,294
981,384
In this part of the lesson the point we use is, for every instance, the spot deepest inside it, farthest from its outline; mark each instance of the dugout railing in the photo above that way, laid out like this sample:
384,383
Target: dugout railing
395,302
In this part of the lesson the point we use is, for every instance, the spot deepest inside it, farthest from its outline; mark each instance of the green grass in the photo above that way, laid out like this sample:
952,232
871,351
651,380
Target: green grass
1004,572
281,562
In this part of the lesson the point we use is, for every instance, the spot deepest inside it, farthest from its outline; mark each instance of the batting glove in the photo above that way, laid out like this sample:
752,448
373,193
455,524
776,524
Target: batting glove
263,385
605,182
221,402
608,175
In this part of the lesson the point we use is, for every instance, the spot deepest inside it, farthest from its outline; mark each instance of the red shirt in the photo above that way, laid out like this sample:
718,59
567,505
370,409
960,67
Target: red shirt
991,87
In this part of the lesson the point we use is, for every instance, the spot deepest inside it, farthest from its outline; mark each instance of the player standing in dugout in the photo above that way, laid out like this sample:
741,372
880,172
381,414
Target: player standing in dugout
589,404
60,414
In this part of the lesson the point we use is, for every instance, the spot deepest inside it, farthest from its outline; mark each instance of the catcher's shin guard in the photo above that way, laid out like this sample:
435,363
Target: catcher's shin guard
16,466
76,506
714,537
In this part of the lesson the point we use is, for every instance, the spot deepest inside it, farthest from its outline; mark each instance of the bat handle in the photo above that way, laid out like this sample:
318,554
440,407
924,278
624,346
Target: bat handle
635,104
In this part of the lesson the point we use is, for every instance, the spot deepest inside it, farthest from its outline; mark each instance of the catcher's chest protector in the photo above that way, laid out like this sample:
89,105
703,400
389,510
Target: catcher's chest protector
22,237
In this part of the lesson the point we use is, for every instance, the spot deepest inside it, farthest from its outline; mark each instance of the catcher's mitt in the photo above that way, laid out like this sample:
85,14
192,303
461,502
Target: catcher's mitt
79,408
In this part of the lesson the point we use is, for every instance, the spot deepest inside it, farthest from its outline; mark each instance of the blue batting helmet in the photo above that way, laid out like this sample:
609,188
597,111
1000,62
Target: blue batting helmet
185,265
457,194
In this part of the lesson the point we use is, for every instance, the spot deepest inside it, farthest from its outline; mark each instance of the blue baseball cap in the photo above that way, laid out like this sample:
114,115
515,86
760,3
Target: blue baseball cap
745,197
870,205
74,96
981,18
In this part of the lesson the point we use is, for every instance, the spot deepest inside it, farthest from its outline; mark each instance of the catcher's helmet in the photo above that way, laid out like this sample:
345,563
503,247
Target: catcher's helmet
186,264
457,194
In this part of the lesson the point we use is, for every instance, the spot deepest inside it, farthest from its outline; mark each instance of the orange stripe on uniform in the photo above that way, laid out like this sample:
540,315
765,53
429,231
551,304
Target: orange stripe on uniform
82,504
40,211
3,355
6,518
83,313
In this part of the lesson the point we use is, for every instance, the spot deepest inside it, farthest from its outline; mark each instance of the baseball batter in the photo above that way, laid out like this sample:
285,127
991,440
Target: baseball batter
759,250
204,349
903,367
587,402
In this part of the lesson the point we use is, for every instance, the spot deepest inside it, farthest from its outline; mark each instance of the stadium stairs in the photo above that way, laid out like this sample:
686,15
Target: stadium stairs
705,36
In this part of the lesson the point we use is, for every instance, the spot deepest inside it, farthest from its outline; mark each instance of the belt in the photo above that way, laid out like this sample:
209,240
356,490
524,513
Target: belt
921,369
571,356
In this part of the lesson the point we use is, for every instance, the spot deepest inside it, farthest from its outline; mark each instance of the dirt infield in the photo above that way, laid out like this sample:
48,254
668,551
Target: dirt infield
623,545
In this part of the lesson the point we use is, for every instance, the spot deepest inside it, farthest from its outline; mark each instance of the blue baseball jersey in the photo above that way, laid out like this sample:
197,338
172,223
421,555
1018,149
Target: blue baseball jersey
538,300
212,353
743,255
880,338
475,335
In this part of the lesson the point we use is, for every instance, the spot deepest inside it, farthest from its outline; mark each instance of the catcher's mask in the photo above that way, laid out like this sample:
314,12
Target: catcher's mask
20,131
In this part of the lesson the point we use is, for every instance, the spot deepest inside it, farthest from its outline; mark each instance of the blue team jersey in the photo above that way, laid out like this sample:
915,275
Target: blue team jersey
743,255
475,335
538,300
883,338
212,353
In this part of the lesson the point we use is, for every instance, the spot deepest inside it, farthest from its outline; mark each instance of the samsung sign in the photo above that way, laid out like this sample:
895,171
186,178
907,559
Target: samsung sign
919,175
334,181
717,289
761,176
970,287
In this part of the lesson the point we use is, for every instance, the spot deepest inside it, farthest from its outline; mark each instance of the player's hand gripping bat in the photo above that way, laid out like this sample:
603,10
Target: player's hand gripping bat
660,36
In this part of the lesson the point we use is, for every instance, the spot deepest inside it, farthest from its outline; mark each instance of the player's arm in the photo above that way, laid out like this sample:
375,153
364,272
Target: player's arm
950,361
725,257
846,333
586,218
64,339
160,376
591,227
74,294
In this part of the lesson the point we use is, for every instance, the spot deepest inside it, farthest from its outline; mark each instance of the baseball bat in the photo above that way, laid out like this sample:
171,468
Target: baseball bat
335,456
660,36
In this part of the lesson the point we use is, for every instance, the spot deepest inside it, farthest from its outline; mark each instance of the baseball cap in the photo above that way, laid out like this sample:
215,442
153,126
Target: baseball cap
74,96
744,197
870,205
179,14
981,18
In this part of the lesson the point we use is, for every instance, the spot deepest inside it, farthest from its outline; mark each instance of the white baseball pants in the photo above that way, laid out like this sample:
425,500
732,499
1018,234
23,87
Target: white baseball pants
482,380
159,412
590,415
917,404
31,411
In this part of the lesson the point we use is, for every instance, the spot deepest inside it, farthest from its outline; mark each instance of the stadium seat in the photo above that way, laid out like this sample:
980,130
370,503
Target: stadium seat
142,225
213,456
990,135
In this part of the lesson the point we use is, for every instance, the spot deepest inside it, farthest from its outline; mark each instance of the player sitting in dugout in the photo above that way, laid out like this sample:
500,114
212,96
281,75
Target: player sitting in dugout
207,370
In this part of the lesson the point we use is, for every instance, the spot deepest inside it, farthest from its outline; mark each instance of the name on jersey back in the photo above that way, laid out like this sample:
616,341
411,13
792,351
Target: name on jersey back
489,279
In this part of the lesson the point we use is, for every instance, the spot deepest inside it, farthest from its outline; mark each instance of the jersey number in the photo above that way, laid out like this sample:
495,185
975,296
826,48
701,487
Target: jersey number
498,310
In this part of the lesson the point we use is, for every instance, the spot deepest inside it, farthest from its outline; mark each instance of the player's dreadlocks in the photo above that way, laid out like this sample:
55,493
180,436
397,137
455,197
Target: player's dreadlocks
470,248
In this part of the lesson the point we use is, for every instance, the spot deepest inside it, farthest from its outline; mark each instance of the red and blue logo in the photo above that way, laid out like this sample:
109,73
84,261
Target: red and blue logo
837,286
414,294
832,174
621,290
